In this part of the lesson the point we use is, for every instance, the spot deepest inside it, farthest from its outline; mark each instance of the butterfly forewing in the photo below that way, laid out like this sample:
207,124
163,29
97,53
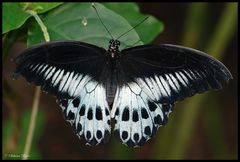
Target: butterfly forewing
61,67
173,72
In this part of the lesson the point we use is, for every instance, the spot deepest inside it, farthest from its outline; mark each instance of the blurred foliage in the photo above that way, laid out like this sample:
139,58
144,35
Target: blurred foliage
78,21
15,151
184,128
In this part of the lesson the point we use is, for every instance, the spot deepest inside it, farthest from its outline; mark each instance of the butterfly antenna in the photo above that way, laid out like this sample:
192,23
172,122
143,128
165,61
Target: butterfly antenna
133,27
101,20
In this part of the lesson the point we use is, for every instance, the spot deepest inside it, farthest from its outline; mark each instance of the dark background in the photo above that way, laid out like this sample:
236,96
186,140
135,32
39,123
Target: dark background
215,129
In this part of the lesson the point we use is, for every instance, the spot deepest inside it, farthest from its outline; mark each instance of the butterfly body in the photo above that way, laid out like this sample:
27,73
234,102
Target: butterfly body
136,87
113,49
111,87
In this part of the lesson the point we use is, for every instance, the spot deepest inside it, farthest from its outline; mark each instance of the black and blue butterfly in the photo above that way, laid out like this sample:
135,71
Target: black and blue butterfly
133,90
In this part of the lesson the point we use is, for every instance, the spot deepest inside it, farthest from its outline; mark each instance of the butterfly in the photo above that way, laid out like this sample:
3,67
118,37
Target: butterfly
133,90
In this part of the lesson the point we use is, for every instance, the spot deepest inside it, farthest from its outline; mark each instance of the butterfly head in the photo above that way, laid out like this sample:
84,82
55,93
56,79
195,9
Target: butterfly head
113,48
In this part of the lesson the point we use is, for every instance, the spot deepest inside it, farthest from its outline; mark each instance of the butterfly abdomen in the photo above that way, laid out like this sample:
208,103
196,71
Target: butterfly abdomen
111,87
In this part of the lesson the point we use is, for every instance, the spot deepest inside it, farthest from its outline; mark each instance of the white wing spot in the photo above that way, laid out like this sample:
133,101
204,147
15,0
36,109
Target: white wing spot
39,68
44,68
58,78
174,83
91,86
67,84
47,72
165,87
152,88
135,88
79,87
31,66
63,81
76,83
184,77
51,73
35,67
186,72
54,77
180,79
73,83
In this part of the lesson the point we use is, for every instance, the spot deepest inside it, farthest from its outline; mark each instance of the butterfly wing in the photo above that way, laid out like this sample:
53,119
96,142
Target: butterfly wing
88,114
153,77
59,66
74,72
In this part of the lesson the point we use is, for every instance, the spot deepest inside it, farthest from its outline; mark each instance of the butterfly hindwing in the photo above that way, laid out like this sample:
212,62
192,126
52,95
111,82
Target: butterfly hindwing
88,113
137,115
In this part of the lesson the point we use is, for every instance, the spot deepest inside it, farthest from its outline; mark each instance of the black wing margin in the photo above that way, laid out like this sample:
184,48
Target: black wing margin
59,67
179,72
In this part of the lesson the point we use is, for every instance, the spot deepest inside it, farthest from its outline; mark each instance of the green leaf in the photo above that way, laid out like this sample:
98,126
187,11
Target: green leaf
148,30
13,16
79,21
41,7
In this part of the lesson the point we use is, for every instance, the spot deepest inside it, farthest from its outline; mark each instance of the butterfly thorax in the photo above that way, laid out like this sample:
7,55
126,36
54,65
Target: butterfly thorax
113,53
113,49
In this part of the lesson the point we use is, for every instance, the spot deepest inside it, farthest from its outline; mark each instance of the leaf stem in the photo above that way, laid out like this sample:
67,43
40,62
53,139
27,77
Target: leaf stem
32,123
41,24
36,95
